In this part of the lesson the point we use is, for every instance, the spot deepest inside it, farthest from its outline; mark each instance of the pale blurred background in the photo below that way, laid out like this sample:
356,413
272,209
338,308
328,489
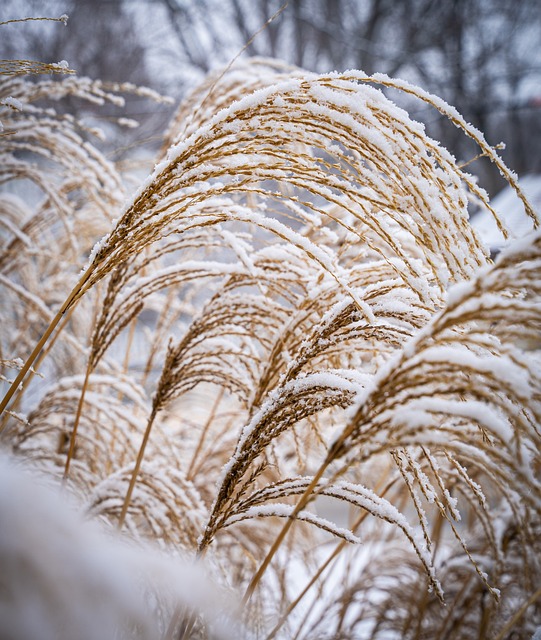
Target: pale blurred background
482,56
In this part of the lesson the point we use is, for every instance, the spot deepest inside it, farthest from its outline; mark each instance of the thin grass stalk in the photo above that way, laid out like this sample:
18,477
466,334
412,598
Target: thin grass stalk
89,369
300,628
443,631
306,616
322,567
72,298
159,330
173,623
226,427
237,56
185,628
129,345
320,570
73,435
518,614
204,432
303,501
35,369
418,611
63,19
133,479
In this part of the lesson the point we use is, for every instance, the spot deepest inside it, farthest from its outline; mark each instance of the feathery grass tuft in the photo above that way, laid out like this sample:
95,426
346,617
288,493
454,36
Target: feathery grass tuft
289,353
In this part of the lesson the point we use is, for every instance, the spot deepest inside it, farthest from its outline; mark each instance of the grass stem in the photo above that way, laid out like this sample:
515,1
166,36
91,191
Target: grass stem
73,436
133,479
75,294
303,501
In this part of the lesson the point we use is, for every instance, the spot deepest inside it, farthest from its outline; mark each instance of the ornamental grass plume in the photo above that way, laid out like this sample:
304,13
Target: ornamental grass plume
289,356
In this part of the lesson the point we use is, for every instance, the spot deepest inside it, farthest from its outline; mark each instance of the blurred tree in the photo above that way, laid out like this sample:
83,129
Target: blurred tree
481,56
101,41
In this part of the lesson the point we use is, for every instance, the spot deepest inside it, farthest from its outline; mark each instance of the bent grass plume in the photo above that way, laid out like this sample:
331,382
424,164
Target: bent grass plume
333,292
199,162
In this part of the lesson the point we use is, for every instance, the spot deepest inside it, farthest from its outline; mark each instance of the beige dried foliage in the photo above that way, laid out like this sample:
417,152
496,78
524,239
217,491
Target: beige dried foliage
292,311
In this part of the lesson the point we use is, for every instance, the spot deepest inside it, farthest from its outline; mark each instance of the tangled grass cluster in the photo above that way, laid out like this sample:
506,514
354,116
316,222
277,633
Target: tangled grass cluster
289,357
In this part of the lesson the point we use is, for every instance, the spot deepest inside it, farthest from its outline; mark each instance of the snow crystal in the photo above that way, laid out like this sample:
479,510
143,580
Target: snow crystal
128,123
19,417
13,103
94,252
